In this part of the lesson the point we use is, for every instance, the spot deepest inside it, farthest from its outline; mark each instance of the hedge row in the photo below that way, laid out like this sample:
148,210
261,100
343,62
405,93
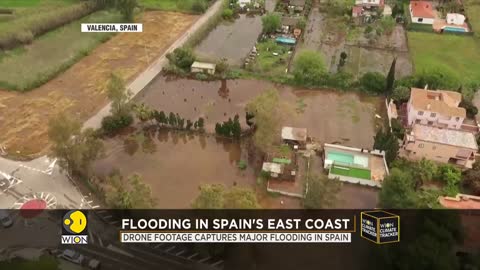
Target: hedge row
24,32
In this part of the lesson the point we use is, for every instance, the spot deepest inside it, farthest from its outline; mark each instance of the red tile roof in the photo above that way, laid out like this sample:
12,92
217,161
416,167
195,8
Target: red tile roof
422,9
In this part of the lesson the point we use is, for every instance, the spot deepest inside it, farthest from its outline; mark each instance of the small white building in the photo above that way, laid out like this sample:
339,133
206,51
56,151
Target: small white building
200,67
294,135
455,18
243,3
274,169
422,12
369,3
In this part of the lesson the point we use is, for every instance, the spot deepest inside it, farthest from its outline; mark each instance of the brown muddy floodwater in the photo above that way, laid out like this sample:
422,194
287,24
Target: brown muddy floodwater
175,164
231,40
329,116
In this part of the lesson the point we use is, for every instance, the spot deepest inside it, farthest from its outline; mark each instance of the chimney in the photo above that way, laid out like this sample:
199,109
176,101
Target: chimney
428,106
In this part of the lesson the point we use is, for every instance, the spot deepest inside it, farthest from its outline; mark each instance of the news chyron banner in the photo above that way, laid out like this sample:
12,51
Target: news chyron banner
240,229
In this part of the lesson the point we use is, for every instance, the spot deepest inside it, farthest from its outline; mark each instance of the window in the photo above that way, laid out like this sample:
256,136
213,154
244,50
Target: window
458,118
420,19
433,114
430,123
420,113
421,145
417,121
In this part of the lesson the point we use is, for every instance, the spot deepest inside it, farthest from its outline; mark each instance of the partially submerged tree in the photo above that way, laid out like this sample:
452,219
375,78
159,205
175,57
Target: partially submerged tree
75,149
215,196
322,192
118,94
268,111
130,193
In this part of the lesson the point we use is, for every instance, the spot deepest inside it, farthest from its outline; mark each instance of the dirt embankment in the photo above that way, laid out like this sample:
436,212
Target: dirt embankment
81,89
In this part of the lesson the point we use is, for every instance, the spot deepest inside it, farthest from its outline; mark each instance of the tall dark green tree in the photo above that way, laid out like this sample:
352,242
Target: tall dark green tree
390,79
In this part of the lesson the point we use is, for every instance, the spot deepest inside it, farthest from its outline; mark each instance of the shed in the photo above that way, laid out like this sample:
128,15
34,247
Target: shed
455,18
198,67
294,134
274,169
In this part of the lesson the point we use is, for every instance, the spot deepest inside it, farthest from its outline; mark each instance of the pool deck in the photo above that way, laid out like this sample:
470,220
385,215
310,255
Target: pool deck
439,24
376,162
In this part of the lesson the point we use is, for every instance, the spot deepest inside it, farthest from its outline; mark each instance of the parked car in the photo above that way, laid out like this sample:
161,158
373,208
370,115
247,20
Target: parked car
5,219
94,264
72,256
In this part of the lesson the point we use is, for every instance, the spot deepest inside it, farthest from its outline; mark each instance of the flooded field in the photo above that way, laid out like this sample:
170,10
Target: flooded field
175,164
231,40
329,116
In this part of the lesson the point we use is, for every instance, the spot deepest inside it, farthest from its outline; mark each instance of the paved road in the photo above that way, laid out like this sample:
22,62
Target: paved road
39,178
153,70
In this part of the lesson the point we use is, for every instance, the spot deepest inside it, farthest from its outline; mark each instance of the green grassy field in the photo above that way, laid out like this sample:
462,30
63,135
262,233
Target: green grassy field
29,67
34,3
458,55
171,5
29,13
473,14
269,64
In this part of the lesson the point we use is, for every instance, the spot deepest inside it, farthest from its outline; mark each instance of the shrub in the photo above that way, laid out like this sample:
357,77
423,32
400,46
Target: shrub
373,82
113,123
201,76
308,68
242,164
397,129
401,94
388,24
471,109
271,22
181,58
25,37
227,14
199,6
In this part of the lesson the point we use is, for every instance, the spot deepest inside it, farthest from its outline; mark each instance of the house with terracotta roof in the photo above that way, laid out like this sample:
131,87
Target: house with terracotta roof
441,145
438,108
461,201
422,12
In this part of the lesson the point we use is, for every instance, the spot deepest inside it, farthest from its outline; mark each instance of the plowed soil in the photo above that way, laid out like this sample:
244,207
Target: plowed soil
81,90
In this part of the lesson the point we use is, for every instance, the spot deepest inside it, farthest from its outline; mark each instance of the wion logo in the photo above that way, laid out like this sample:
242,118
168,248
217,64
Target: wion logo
74,231
380,227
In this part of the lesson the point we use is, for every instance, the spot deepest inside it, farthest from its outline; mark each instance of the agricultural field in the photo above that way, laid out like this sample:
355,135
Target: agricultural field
458,55
196,6
28,67
26,13
473,13
81,89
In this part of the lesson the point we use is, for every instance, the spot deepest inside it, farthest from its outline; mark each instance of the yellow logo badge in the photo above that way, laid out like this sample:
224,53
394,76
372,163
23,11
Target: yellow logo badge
75,222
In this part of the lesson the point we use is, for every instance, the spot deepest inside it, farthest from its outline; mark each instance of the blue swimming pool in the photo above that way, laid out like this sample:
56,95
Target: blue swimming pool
454,29
286,40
